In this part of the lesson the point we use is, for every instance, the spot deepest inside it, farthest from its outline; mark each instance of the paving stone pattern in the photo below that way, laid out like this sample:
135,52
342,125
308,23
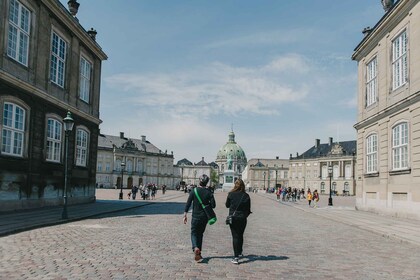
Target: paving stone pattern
151,242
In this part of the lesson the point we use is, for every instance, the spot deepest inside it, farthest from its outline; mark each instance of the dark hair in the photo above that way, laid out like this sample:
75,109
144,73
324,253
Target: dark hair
204,179
239,186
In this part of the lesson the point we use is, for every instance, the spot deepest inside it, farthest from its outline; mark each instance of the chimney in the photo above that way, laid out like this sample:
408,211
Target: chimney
317,141
122,135
366,31
73,7
387,4
277,157
330,141
290,156
202,158
297,154
92,33
143,138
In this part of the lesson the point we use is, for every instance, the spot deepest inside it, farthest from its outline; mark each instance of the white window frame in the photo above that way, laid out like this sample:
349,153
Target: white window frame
85,79
58,59
400,60
13,130
54,134
371,82
372,153
400,141
19,32
82,145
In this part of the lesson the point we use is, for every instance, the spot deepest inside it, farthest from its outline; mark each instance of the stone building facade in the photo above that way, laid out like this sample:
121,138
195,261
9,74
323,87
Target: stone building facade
49,64
388,120
144,163
310,169
263,174
189,172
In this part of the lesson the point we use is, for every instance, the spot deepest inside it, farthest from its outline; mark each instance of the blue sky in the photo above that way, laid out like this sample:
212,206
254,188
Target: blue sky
182,72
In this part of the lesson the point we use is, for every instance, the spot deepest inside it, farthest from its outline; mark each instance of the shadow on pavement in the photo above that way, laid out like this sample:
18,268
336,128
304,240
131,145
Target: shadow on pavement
249,258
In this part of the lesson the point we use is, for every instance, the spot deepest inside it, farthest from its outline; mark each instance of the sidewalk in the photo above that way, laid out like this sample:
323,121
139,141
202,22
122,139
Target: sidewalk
344,211
107,202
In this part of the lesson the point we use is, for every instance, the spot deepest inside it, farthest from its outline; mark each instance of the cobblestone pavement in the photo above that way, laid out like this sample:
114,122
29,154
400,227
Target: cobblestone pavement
150,242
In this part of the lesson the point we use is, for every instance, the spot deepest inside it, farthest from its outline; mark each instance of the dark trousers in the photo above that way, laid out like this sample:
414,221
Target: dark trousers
237,229
198,226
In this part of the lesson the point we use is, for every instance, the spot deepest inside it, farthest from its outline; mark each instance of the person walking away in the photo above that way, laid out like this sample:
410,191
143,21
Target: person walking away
315,198
154,190
239,204
309,197
199,217
134,190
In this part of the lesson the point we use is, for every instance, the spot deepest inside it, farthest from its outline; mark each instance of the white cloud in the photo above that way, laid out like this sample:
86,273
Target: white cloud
219,88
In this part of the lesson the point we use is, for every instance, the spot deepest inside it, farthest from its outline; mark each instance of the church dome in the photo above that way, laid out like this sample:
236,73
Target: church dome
231,150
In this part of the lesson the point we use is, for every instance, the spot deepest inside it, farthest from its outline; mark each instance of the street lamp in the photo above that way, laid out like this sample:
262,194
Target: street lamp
330,172
264,180
68,127
195,176
122,179
275,165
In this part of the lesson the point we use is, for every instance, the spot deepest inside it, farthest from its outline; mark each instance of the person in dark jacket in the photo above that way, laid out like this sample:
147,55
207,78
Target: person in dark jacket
199,217
239,204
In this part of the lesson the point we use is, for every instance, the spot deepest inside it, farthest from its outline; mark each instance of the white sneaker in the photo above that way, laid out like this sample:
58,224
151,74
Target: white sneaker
235,260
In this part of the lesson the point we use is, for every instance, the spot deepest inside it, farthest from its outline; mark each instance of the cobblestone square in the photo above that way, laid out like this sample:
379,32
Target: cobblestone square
151,242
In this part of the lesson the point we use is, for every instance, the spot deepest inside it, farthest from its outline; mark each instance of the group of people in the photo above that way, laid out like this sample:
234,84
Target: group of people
313,197
295,194
289,194
239,204
147,192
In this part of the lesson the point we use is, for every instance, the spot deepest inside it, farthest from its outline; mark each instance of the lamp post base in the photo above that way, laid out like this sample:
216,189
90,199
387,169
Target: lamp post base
121,195
330,201
64,215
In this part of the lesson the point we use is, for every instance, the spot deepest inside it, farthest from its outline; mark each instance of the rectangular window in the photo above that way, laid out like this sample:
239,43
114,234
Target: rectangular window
400,146
54,136
85,71
19,32
108,167
99,166
371,82
81,147
13,130
399,61
372,153
58,60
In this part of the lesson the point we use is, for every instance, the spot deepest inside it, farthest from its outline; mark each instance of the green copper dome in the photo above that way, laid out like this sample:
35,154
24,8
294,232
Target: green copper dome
231,150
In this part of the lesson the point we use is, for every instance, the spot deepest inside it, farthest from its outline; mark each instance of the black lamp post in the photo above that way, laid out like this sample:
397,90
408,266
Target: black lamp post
68,127
264,181
122,179
330,172
275,165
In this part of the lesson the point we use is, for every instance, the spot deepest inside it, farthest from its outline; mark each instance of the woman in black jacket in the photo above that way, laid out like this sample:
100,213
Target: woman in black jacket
239,204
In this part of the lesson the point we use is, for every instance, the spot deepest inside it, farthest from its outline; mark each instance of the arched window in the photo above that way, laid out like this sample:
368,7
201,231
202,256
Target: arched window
54,139
400,146
13,129
372,153
82,141
336,171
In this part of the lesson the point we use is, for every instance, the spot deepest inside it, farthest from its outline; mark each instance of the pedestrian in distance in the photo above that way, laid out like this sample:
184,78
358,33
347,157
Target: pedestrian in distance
239,204
134,191
199,217
309,197
315,198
